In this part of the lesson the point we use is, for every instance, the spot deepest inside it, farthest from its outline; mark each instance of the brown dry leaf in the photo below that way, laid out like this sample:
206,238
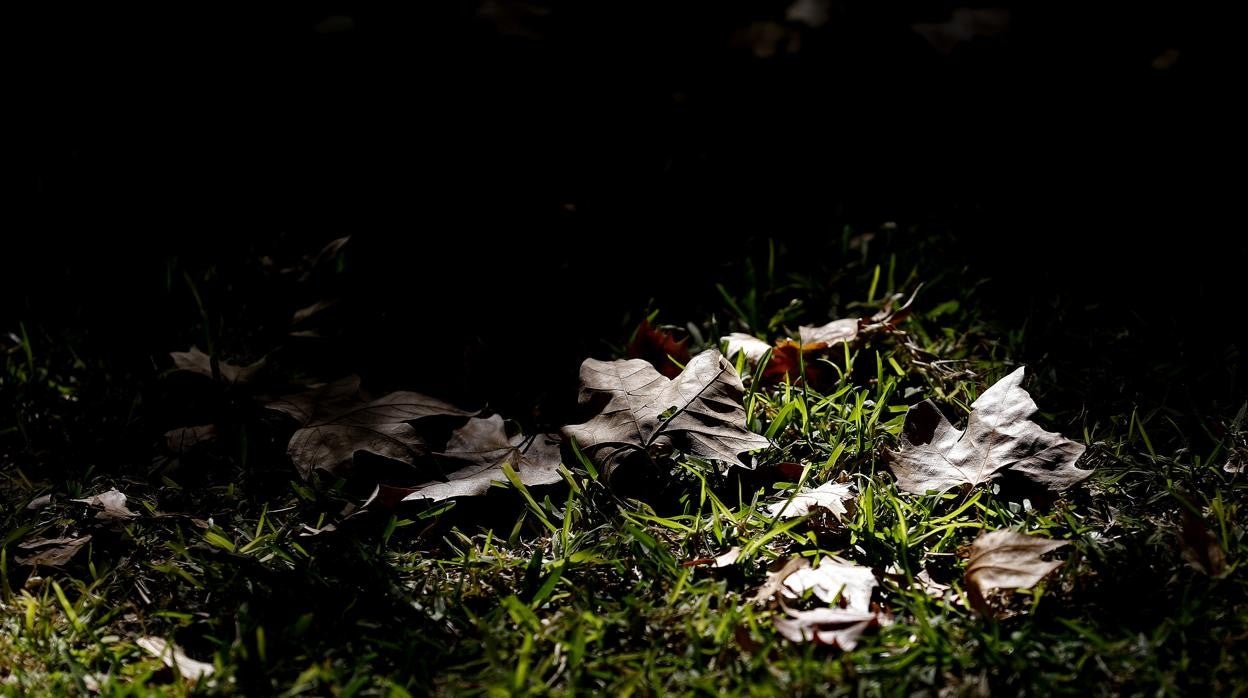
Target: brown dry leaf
321,401
1006,560
112,505
174,658
638,409
830,495
184,438
660,348
196,361
965,25
339,423
999,436
51,552
484,446
1200,547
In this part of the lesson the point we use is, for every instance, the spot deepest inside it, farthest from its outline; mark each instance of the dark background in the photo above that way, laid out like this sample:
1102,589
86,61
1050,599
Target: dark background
517,175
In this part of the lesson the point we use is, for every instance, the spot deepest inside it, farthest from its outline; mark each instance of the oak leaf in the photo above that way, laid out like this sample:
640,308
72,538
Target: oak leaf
338,421
638,409
830,495
196,361
999,436
484,447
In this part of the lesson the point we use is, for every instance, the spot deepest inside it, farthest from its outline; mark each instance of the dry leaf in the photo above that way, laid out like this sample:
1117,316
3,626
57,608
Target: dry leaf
1200,548
39,502
339,426
740,343
308,311
112,505
182,439
834,581
660,348
51,552
775,579
637,409
827,626
935,456
1006,560
174,658
484,446
321,401
848,585
830,495
825,336
196,361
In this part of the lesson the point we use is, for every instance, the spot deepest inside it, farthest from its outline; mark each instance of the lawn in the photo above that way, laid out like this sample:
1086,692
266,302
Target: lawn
241,564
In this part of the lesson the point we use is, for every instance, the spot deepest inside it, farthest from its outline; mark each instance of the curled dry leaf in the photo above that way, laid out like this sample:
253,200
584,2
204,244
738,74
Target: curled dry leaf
1006,560
111,505
39,502
174,658
184,438
830,495
314,309
752,347
638,409
790,357
196,361
1200,548
827,626
824,336
484,447
999,436
338,421
845,585
51,552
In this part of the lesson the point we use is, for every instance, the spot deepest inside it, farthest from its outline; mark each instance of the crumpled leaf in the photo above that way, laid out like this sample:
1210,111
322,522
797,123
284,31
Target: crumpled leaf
1006,560
338,421
1200,547
660,348
936,456
39,502
174,658
827,626
699,412
742,343
184,438
484,446
788,356
111,505
844,584
830,495
824,336
51,552
196,361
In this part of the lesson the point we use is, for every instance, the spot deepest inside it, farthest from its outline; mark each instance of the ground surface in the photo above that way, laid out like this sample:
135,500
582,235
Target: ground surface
598,584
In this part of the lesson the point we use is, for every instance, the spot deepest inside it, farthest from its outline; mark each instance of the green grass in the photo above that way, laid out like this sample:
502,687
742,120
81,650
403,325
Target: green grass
580,588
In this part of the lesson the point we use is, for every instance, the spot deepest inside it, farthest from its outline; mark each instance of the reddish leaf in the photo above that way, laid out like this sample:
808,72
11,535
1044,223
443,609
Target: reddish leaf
657,346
